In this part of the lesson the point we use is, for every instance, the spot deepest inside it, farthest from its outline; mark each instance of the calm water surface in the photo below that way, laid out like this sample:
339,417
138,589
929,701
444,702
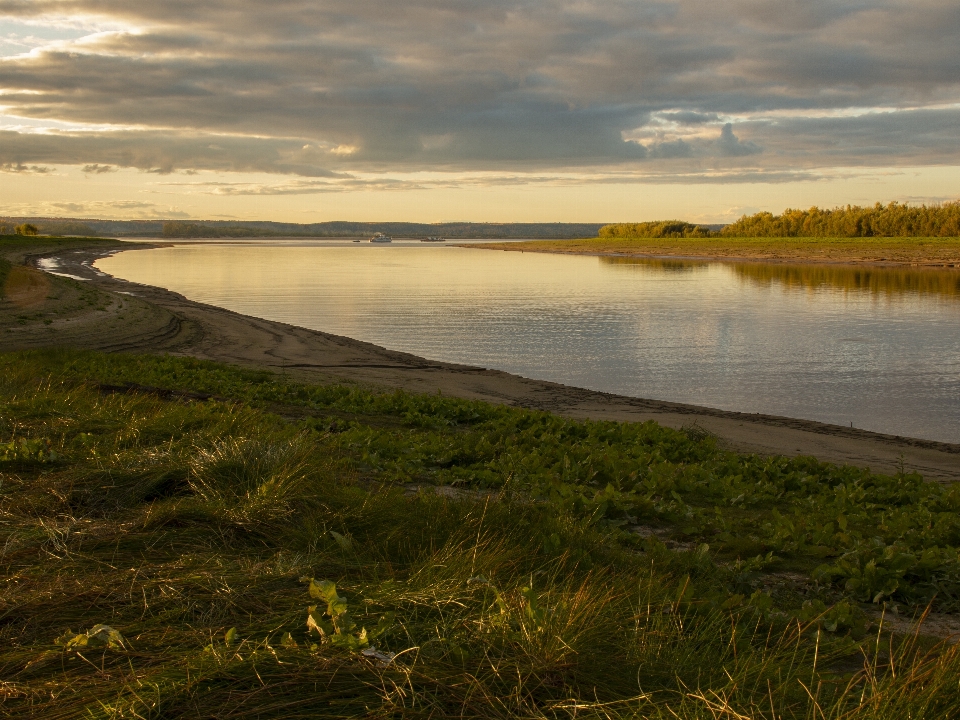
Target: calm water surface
879,348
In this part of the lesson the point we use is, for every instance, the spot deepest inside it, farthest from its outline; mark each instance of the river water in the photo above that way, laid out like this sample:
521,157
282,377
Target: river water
878,348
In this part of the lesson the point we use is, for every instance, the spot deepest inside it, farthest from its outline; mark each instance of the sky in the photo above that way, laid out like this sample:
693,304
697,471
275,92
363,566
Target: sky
479,110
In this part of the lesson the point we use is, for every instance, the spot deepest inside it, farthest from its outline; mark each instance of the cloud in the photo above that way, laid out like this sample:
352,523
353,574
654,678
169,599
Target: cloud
112,208
96,169
329,88
730,145
673,135
17,167
100,204
163,152
454,180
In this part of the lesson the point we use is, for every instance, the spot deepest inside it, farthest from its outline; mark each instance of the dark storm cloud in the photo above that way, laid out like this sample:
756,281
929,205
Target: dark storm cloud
316,88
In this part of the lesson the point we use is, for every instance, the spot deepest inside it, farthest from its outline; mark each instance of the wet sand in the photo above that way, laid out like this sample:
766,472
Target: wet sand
125,316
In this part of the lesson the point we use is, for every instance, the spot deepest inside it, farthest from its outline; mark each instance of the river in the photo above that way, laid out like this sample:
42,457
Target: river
878,348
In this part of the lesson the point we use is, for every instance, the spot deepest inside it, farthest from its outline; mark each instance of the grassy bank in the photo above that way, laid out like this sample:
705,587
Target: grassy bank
39,309
32,298
920,251
161,520
15,248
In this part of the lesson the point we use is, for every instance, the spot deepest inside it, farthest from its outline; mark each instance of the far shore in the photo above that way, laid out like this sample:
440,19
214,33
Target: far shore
912,252
89,309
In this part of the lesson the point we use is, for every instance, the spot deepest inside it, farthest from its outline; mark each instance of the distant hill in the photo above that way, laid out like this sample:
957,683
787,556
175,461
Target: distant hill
86,227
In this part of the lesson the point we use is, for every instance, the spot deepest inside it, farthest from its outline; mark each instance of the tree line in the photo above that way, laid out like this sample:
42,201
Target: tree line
656,229
892,220
22,229
198,230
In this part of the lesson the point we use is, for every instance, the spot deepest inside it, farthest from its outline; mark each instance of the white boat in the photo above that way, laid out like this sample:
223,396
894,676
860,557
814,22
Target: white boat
381,238
433,239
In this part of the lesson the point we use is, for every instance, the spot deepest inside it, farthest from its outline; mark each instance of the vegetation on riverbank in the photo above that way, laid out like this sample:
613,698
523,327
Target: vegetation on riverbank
893,220
15,248
894,233
852,221
656,229
161,520
27,295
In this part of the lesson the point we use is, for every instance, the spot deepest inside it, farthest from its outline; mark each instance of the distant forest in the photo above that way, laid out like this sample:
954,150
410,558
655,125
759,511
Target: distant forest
893,220
233,229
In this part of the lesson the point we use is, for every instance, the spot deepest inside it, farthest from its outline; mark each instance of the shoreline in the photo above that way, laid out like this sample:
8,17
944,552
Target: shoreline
150,319
663,253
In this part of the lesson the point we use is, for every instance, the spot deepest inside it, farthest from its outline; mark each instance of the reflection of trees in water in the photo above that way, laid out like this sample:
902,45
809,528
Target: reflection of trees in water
885,280
889,281
878,280
671,266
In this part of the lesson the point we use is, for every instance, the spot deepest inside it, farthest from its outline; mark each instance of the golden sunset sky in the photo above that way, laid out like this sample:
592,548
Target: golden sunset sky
501,110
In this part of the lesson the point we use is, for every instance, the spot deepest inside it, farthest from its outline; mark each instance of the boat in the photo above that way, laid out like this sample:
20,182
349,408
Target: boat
433,239
357,240
381,238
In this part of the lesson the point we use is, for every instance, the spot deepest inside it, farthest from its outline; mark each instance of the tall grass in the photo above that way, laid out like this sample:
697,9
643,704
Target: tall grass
193,527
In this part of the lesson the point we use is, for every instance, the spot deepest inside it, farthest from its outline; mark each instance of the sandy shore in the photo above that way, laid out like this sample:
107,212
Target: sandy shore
117,315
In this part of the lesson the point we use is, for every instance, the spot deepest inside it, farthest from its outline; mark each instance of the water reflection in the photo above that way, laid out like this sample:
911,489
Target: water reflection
877,280
890,281
662,264
809,342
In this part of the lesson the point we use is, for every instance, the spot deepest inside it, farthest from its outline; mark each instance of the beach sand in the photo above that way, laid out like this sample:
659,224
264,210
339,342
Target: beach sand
115,315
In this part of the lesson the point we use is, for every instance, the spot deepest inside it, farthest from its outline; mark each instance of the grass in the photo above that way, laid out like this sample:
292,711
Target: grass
186,539
17,247
29,297
935,251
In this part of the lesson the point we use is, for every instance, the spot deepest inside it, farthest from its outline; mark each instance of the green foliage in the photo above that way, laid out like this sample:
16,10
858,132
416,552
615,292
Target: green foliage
99,636
48,227
844,617
334,624
852,221
506,563
27,450
625,479
893,220
657,229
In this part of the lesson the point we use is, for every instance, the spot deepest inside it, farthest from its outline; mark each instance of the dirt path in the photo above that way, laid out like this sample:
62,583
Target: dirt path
128,316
